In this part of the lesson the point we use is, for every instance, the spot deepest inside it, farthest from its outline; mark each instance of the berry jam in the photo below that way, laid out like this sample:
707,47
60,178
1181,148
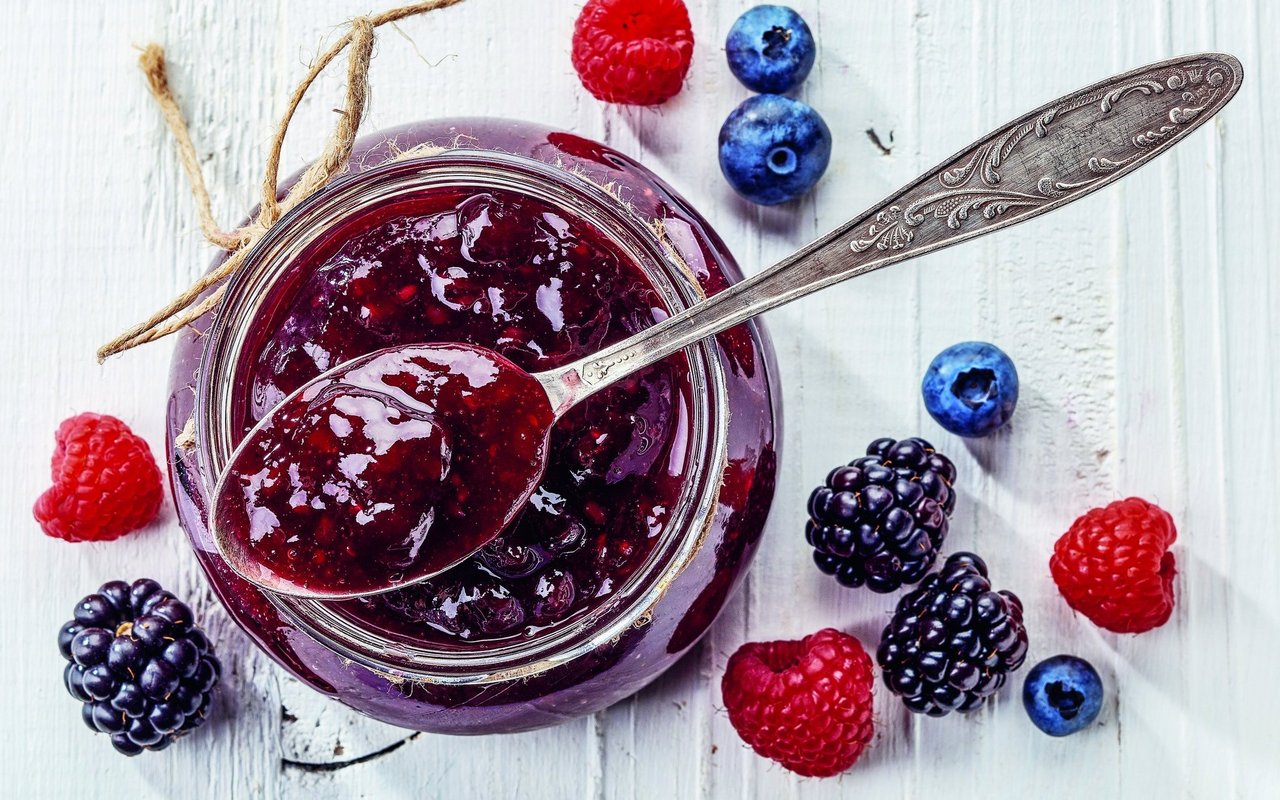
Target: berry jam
392,467
656,492
504,271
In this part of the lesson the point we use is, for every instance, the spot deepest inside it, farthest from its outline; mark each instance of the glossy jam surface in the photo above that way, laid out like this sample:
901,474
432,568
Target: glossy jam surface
511,273
390,468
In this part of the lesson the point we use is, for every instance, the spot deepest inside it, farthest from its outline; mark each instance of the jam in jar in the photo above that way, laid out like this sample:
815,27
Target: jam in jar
543,247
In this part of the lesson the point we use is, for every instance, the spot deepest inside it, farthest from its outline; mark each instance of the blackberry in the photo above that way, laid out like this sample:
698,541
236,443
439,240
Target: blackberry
880,520
142,669
952,641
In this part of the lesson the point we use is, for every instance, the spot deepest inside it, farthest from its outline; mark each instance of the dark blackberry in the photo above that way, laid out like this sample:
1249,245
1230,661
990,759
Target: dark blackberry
142,670
952,641
880,520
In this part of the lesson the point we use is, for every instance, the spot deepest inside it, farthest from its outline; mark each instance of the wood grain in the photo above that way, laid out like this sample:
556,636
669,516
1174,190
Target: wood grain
1142,320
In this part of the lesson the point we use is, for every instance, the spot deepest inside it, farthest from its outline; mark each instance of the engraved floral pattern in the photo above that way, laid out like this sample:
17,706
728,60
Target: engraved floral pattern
961,197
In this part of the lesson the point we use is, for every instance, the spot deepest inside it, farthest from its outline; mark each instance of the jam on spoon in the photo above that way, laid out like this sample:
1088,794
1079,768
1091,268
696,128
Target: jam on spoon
387,469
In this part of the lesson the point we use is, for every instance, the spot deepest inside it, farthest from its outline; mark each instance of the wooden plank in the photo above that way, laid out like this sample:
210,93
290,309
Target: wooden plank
1142,322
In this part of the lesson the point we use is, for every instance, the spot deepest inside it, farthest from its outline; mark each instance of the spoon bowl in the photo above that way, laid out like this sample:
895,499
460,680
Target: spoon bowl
382,472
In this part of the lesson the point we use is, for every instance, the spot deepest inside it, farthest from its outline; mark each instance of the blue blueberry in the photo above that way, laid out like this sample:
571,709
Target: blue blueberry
1062,695
971,388
773,149
770,49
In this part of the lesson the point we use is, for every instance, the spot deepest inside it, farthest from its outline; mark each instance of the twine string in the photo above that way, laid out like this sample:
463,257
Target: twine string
187,307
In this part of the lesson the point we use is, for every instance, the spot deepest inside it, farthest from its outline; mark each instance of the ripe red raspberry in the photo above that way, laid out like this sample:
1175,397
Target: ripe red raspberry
633,51
1114,567
105,481
805,704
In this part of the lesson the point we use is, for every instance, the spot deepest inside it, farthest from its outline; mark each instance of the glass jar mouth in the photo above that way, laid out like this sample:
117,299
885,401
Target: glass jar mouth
630,604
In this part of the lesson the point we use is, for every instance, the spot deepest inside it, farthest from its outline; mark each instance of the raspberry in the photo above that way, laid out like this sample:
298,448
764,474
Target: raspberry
105,481
633,51
805,704
1114,567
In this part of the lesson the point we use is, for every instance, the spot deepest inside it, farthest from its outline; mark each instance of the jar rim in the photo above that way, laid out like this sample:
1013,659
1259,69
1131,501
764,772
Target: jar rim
630,604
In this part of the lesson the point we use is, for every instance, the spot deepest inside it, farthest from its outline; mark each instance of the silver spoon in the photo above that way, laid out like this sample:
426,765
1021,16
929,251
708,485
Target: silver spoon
1045,159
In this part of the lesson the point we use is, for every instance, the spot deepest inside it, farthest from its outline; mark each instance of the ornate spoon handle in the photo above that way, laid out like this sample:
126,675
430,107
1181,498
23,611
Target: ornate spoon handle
1043,160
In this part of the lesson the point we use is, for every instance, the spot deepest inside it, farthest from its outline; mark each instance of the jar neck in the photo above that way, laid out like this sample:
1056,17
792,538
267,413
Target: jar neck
247,302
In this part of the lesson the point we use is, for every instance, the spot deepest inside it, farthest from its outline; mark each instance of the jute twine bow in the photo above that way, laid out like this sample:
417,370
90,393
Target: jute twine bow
187,307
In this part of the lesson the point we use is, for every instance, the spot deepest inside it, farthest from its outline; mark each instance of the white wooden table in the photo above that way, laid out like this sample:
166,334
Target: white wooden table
1143,323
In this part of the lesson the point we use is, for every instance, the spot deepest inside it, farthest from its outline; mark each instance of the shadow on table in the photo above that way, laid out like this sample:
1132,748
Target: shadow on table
1162,655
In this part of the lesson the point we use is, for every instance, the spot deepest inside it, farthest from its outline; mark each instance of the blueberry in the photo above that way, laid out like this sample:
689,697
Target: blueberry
971,388
773,149
1062,695
556,592
494,610
770,49
507,560
567,537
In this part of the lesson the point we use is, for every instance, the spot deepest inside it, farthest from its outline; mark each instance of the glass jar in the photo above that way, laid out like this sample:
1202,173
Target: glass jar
621,638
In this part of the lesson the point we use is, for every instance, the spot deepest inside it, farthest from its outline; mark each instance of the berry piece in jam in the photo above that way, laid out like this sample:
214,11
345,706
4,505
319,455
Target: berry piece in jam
384,471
